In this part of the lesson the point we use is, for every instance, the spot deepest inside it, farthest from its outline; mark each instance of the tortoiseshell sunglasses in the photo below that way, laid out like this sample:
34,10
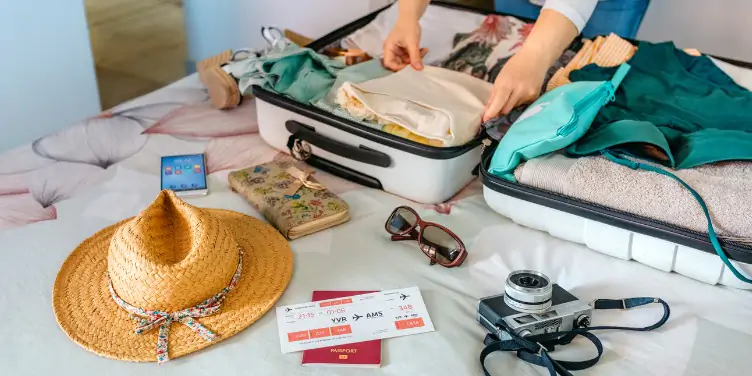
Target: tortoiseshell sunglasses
440,244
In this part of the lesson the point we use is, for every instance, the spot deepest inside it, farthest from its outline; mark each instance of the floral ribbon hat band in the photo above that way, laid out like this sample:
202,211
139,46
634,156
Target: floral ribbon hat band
210,272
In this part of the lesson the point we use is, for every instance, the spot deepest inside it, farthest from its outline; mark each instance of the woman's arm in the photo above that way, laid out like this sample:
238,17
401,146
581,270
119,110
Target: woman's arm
558,24
520,80
551,35
402,46
577,11
411,10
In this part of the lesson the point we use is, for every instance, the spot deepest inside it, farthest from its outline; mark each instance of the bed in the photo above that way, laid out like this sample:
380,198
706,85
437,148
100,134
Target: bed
59,190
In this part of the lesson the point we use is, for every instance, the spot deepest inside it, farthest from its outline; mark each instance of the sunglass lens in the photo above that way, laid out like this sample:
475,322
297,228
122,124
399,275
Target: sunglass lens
439,245
401,221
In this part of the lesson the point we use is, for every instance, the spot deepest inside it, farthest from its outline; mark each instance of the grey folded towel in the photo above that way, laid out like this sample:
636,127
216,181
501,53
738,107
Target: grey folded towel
725,187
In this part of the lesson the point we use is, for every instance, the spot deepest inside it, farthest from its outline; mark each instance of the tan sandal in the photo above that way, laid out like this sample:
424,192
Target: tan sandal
300,40
223,89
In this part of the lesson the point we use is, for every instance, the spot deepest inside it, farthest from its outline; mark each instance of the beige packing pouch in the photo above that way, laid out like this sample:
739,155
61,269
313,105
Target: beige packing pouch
435,103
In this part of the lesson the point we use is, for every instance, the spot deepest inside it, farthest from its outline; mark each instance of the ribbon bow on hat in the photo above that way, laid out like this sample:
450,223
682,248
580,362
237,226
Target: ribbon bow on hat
151,319
301,180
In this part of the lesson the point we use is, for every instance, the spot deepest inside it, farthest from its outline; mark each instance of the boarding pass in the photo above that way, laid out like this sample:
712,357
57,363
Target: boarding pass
358,318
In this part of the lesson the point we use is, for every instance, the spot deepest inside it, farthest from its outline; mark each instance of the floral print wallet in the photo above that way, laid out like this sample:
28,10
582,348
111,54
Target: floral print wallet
288,196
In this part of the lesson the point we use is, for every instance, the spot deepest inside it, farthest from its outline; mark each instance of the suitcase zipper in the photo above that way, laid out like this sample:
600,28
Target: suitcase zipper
586,103
609,87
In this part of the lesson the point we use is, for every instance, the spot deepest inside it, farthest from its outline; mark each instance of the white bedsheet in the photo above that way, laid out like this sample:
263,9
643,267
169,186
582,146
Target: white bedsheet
710,330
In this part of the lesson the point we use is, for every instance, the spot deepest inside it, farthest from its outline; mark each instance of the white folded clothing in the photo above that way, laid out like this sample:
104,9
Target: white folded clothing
434,103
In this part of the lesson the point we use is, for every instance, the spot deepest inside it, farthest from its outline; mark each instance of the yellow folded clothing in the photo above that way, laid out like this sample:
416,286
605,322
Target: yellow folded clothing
692,51
403,132
607,51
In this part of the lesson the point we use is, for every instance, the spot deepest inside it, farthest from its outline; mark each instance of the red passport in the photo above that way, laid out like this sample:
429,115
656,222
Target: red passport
361,354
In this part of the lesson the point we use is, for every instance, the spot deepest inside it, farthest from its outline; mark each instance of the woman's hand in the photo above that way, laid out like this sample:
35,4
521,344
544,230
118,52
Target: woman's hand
402,46
518,83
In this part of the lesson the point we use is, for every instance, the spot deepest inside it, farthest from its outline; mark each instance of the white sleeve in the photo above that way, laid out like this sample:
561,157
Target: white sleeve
578,11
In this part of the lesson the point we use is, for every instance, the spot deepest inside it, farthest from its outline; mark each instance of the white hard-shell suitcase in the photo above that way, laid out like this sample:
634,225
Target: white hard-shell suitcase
370,157
623,235
422,173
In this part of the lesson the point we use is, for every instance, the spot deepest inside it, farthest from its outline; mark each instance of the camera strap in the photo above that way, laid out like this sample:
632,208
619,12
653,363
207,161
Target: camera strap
535,349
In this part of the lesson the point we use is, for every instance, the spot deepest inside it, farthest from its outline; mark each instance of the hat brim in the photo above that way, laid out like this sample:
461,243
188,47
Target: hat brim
86,312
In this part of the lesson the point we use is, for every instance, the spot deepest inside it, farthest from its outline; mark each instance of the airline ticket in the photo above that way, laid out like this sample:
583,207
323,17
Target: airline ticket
358,318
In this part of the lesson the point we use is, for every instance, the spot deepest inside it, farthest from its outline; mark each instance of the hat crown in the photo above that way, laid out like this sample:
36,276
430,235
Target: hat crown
171,257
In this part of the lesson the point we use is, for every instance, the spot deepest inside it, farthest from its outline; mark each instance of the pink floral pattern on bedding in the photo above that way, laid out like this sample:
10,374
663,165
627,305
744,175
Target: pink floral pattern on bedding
236,152
190,121
36,177
474,188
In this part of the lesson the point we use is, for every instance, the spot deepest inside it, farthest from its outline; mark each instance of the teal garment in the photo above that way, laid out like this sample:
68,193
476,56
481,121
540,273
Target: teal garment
356,74
296,72
369,70
683,105
553,122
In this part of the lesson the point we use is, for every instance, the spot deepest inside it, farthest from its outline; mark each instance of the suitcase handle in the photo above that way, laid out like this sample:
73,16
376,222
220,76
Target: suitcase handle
358,153
294,144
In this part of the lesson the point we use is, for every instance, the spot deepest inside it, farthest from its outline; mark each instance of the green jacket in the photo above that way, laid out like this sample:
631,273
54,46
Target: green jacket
684,106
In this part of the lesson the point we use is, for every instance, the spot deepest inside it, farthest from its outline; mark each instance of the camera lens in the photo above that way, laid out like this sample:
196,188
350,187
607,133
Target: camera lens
528,281
528,291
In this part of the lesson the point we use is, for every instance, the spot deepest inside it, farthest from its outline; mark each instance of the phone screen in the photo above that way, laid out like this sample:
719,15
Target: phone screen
183,172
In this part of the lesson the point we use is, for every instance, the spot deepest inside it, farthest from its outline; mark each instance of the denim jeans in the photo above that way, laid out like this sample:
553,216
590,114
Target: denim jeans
621,17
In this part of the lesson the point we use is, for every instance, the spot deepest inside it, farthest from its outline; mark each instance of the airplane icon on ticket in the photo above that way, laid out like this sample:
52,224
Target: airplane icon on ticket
356,317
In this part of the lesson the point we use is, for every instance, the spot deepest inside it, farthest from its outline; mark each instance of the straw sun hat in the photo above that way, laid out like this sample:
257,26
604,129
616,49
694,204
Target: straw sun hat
170,281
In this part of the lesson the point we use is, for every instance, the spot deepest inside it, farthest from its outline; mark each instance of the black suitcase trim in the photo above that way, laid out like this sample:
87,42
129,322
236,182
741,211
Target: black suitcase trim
599,213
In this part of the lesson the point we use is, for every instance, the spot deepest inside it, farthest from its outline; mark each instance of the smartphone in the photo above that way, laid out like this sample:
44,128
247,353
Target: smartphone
184,174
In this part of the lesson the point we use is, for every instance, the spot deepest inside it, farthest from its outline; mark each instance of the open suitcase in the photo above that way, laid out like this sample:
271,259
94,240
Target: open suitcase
432,175
422,173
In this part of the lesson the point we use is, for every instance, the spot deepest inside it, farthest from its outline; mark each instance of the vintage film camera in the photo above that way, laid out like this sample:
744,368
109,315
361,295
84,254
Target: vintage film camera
532,305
